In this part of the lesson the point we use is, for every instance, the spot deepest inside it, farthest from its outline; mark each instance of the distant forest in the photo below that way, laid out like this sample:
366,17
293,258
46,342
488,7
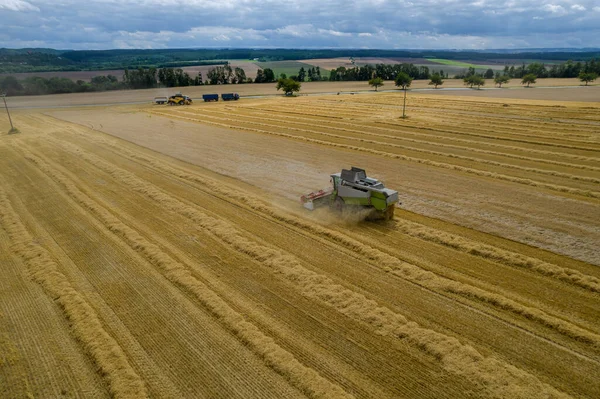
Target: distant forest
49,60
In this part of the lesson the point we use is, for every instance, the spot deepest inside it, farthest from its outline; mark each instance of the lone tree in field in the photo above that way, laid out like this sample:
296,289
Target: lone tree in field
587,77
403,80
501,79
289,86
436,80
474,80
528,79
376,82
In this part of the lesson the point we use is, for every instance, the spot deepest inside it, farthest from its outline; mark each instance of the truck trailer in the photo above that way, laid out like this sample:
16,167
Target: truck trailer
230,96
210,97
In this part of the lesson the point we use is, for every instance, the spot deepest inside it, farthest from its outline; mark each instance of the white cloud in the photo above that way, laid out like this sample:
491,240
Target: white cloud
554,8
221,38
578,7
334,32
17,5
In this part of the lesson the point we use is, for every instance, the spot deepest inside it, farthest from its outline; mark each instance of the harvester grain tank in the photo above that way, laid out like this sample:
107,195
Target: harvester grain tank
210,97
352,189
230,96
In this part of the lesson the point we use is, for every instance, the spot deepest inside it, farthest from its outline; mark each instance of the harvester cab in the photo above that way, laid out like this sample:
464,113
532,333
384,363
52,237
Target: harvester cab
352,189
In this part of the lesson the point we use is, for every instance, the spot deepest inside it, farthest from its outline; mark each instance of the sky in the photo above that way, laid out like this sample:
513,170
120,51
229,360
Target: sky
375,24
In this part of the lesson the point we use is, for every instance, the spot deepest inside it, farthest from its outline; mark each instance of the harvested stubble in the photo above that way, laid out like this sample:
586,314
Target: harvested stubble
492,376
370,146
314,303
106,353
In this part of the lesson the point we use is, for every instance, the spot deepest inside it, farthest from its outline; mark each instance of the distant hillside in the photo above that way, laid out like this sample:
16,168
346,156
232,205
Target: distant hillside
48,60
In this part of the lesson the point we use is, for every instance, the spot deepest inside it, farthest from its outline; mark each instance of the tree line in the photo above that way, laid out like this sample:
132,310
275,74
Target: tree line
383,71
144,78
37,85
140,78
568,69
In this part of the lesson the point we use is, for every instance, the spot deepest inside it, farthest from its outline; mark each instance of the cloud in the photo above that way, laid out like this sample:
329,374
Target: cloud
334,32
17,5
101,24
554,8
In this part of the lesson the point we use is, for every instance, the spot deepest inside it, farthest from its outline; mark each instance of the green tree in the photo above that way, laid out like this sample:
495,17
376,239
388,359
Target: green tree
140,78
474,80
10,85
35,85
221,75
436,80
213,76
501,79
587,77
182,78
269,75
376,82
489,74
528,79
537,69
288,86
403,80
301,74
260,76
240,75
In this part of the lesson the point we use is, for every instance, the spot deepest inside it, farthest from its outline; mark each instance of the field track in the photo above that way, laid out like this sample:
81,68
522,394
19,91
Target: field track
169,257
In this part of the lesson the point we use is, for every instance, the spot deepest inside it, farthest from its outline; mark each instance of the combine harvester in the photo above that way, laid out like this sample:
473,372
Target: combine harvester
179,99
352,189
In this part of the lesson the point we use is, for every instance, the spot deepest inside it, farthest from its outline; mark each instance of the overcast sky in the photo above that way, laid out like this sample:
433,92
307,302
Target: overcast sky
418,24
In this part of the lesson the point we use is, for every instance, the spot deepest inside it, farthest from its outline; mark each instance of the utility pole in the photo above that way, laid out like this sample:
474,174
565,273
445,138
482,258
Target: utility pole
404,105
7,113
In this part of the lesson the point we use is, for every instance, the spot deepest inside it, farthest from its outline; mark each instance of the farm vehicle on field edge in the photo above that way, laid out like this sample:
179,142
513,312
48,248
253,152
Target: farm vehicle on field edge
230,96
210,97
179,99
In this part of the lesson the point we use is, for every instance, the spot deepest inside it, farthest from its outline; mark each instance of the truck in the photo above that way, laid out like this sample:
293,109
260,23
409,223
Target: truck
179,99
351,190
160,100
230,96
210,97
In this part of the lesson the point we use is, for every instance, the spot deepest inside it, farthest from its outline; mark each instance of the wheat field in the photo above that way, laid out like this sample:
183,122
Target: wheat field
162,252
